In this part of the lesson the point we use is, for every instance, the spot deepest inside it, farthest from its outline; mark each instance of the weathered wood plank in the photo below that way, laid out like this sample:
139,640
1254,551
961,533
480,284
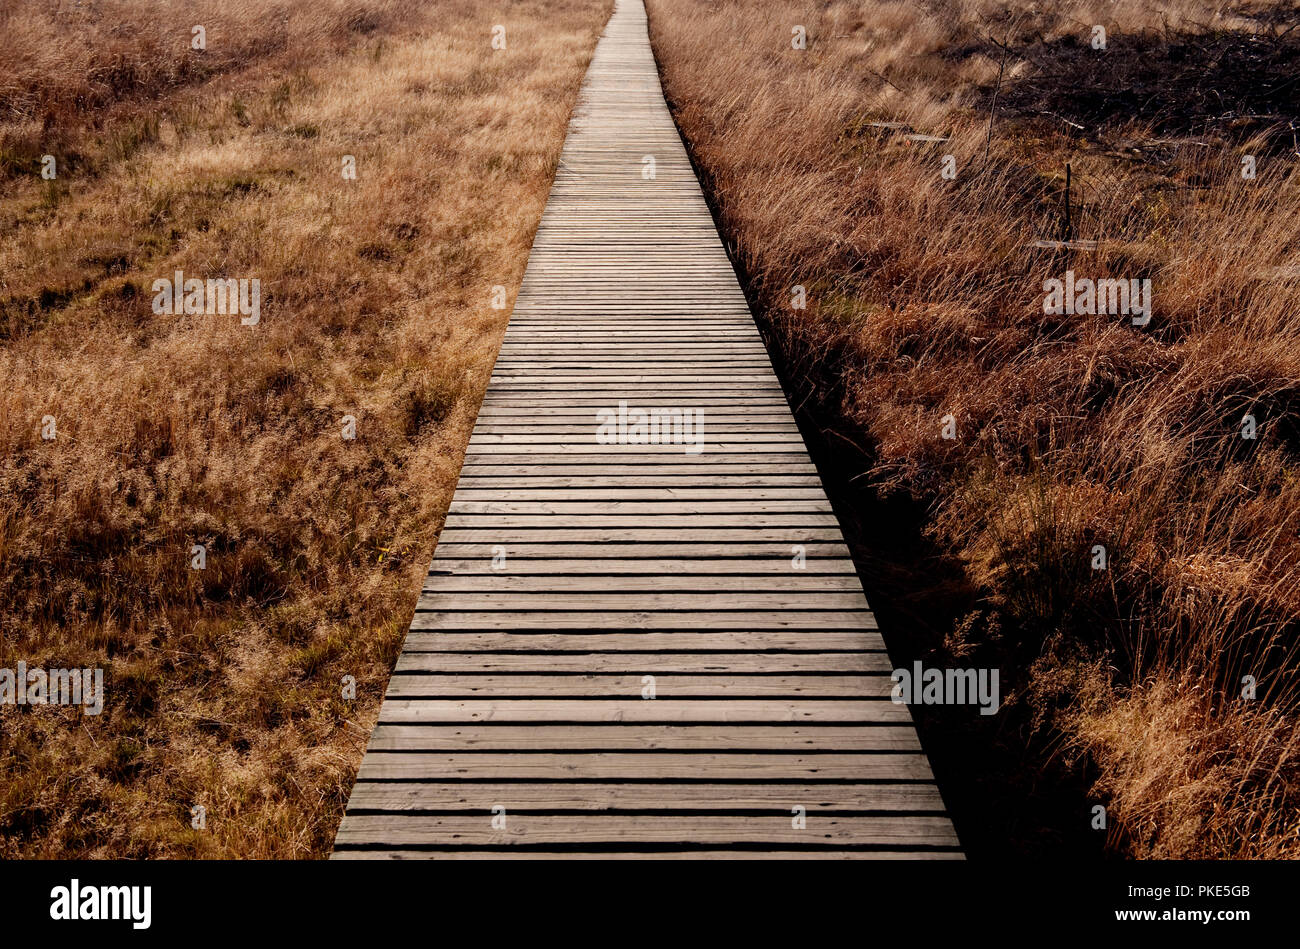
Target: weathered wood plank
723,798
568,509
458,830
794,602
623,737
666,685
655,854
685,641
457,584
612,619
645,663
752,552
633,766
415,711
750,570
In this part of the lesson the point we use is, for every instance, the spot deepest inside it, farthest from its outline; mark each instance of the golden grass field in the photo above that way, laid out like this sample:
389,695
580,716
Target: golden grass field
225,683
923,301
1072,431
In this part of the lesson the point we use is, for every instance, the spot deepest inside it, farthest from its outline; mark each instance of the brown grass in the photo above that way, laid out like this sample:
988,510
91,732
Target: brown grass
1073,431
224,685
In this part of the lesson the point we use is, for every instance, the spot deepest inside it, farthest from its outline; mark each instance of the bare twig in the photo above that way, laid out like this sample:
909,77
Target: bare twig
883,78
1002,67
993,107
1064,119
1068,233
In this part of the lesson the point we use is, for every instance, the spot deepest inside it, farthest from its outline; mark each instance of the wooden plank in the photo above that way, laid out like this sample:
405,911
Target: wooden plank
684,641
641,664
653,522
788,601
700,534
489,581
667,685
608,619
722,798
570,508
643,471
415,711
458,830
609,568
655,854
508,559
635,766
623,737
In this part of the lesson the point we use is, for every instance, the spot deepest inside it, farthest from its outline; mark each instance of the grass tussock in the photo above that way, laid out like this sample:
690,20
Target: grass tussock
225,685
1073,432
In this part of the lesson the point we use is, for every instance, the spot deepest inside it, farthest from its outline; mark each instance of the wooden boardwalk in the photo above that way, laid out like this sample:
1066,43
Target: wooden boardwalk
573,576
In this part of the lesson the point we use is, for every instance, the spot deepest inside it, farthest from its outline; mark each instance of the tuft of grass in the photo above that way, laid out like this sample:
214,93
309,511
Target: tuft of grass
430,399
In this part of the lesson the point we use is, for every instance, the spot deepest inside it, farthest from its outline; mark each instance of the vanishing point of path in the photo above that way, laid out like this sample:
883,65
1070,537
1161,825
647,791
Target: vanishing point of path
575,579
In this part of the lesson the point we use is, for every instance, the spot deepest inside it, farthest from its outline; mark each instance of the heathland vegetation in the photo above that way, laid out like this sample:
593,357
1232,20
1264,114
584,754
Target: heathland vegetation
1101,526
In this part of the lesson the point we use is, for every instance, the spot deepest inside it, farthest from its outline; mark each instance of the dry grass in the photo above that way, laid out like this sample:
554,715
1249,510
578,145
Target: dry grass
924,301
224,685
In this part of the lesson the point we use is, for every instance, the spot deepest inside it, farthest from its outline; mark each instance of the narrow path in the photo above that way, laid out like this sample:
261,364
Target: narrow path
574,576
